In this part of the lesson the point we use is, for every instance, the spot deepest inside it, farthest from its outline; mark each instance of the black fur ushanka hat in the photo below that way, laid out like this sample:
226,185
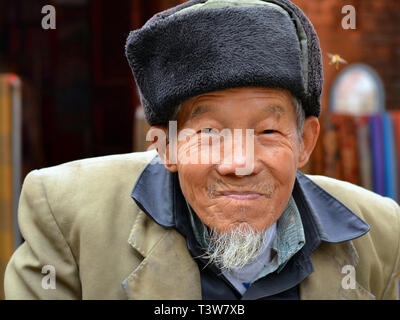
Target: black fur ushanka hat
202,46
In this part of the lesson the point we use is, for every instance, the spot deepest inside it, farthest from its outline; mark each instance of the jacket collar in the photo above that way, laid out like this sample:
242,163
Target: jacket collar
335,222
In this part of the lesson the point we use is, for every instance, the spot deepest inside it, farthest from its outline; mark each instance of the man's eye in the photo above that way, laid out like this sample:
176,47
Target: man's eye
269,131
208,130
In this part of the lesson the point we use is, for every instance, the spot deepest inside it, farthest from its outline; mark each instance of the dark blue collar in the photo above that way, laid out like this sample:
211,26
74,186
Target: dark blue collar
157,190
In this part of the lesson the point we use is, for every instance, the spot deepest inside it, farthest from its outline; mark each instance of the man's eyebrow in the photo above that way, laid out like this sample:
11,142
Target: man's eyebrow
201,109
275,109
198,110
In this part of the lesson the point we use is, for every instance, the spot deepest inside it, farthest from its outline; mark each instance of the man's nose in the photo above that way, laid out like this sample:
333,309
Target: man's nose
230,166
239,161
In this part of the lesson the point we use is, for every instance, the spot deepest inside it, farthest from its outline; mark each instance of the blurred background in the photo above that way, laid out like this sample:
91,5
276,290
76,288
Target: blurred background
68,93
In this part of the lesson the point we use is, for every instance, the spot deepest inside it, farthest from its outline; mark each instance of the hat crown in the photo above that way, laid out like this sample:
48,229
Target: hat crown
202,46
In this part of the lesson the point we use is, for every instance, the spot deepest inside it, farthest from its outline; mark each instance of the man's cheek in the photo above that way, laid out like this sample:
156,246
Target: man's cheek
282,165
193,186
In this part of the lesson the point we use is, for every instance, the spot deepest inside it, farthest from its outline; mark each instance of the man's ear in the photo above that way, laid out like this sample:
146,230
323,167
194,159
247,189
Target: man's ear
310,135
159,136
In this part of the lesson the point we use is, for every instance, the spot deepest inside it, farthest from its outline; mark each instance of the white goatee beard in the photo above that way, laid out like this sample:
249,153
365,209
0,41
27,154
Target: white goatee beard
235,248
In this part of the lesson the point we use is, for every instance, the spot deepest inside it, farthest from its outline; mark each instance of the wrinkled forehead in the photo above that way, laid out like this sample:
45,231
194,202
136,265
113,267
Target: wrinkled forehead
272,101
224,105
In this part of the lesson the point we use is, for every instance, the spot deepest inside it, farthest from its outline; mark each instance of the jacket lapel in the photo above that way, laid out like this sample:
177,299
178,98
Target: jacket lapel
167,271
327,282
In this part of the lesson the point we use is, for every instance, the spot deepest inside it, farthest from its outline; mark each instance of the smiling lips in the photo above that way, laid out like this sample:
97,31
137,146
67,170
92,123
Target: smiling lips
244,195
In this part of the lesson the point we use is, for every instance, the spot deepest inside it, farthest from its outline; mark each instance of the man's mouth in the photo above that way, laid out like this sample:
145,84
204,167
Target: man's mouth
241,195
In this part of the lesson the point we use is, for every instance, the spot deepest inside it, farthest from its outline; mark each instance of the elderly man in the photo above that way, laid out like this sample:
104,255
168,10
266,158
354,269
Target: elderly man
236,84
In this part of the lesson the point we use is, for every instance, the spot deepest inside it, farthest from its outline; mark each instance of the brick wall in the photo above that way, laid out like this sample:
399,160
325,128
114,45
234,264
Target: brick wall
375,41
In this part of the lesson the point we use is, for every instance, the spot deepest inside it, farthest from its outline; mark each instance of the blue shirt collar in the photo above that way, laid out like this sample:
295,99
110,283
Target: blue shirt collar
334,221
155,192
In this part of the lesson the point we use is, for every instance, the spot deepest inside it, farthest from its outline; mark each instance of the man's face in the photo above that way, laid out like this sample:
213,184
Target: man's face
220,197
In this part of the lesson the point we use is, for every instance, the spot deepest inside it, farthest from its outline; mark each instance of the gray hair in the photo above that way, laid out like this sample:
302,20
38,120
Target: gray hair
300,115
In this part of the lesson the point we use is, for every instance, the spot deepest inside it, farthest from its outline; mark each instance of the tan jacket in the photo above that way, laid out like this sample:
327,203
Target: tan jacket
79,218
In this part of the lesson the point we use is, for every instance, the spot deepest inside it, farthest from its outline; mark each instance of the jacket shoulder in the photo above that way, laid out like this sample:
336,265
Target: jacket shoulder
111,164
97,182
87,196
367,204
379,249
